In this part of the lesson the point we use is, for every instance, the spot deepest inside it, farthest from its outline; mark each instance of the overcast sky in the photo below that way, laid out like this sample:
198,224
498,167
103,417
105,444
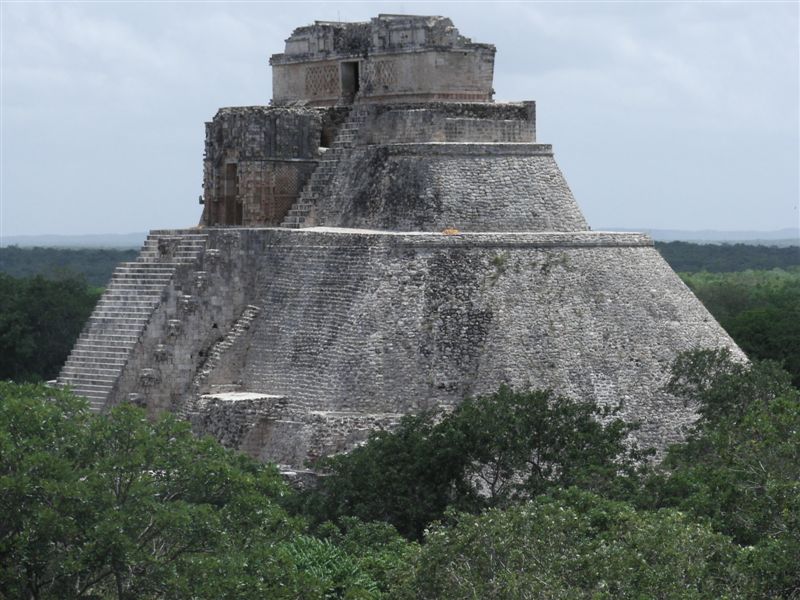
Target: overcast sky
662,115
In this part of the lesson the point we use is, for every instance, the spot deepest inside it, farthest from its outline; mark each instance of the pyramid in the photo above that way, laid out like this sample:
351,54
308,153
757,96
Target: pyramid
381,239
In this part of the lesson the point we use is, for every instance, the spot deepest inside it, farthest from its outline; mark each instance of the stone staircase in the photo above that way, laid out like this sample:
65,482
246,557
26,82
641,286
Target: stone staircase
322,176
121,316
216,353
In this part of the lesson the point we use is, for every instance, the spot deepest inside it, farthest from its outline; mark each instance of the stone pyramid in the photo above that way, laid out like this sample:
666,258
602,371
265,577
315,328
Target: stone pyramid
382,239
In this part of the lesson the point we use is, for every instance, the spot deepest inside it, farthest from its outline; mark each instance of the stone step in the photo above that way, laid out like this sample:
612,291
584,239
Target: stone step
117,314
106,346
103,359
182,249
294,220
88,387
115,310
122,320
110,352
172,234
125,297
143,275
113,329
95,374
102,340
142,269
117,305
104,353
88,391
129,284
86,377
134,282
128,295
98,360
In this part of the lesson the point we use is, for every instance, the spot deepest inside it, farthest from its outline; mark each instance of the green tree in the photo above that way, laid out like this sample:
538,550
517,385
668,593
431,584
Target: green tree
119,506
491,451
93,264
759,309
40,320
574,544
739,469
716,258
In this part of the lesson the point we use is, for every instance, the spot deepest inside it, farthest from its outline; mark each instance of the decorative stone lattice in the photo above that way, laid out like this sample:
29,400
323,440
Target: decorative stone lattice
380,74
285,186
322,80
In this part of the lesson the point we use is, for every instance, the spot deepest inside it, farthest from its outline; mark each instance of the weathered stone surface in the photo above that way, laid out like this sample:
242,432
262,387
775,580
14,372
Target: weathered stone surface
453,258
391,58
378,323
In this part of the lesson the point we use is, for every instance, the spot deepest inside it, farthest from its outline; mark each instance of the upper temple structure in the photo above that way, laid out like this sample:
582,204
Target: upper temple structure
381,239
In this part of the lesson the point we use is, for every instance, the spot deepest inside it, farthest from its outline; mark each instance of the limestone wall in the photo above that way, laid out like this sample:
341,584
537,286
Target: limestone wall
435,75
198,308
453,123
391,324
392,58
257,160
469,187
332,333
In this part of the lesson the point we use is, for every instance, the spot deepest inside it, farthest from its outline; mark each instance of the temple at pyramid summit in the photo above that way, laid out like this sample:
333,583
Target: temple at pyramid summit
380,239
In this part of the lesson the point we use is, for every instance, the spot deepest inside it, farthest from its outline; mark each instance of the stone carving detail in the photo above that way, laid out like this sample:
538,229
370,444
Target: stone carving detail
229,241
161,353
174,327
187,304
322,80
149,378
137,400
167,246
379,74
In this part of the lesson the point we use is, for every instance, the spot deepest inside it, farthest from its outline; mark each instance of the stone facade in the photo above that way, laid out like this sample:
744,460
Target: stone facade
257,160
427,252
392,58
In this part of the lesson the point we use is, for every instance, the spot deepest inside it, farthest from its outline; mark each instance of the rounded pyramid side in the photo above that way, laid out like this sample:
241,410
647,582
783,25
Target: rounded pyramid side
377,324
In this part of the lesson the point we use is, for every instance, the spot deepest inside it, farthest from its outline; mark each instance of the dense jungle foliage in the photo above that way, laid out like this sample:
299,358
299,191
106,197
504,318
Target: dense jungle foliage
759,309
725,258
40,319
94,264
512,496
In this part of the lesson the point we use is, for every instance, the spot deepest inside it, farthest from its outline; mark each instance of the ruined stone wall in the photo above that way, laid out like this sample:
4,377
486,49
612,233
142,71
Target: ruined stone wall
392,58
257,160
198,307
469,187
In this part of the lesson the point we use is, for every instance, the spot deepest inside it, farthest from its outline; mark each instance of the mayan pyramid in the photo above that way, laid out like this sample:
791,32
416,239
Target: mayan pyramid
383,238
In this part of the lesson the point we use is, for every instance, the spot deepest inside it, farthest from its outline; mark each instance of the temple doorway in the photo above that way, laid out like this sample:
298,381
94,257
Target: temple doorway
233,208
349,80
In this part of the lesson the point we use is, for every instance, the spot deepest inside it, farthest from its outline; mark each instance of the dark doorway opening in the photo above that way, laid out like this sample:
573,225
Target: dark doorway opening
349,80
233,208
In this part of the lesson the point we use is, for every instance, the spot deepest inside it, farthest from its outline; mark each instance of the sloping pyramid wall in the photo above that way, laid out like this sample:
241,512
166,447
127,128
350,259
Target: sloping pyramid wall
465,186
293,343
331,333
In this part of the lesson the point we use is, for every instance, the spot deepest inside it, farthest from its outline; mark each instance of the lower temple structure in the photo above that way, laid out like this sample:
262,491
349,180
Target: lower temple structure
363,256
